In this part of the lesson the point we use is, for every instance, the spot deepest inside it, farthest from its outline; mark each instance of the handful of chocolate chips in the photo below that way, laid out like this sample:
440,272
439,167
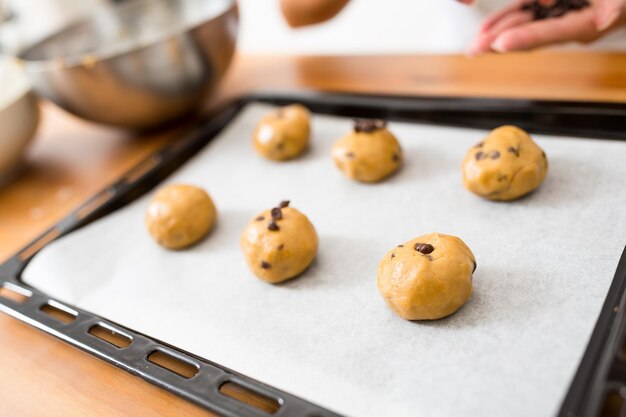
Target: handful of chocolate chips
546,9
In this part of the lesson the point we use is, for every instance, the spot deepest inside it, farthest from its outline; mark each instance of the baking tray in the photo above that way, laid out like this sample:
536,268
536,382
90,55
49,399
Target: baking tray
599,378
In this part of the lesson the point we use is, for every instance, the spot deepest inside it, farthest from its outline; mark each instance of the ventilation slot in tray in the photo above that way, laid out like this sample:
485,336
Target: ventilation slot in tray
14,293
249,397
612,406
59,312
95,203
142,169
111,335
176,365
39,243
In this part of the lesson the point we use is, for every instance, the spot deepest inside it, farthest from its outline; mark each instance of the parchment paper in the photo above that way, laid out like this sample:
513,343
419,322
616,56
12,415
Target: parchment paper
545,264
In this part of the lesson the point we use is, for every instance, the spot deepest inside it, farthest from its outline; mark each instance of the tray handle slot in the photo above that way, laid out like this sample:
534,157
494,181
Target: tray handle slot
59,312
175,364
250,397
14,293
110,335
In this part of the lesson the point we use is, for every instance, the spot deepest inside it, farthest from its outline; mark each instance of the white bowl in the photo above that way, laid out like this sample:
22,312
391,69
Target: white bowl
19,117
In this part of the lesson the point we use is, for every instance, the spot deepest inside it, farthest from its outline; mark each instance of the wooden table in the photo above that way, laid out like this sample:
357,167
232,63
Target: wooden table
72,159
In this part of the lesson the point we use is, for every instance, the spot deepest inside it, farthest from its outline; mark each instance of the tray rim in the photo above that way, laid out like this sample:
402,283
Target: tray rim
587,390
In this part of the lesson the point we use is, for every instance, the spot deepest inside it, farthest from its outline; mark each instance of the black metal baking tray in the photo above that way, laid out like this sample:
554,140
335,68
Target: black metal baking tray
598,388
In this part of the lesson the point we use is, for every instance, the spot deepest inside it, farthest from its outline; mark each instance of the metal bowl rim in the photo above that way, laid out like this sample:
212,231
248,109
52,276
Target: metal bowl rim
77,60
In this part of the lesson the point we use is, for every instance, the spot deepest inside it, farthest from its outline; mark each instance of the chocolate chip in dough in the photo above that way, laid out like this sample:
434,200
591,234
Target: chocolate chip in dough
479,145
494,155
369,125
284,203
424,248
393,255
272,226
474,270
395,157
277,214
514,151
281,246
265,265
260,218
400,246
350,155
479,155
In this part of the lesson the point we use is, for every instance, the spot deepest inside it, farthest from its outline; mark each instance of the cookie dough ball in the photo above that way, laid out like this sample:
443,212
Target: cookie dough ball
506,165
279,244
427,278
284,133
369,153
180,215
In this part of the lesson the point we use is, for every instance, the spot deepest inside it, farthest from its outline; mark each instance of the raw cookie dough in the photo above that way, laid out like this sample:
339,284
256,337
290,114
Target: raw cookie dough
284,133
506,165
427,278
279,243
180,215
369,153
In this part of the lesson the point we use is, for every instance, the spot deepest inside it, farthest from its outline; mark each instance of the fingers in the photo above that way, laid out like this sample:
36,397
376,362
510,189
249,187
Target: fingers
493,18
513,19
575,26
607,13
483,41
468,2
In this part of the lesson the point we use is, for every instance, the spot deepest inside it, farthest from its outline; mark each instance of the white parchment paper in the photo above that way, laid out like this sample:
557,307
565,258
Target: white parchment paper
545,264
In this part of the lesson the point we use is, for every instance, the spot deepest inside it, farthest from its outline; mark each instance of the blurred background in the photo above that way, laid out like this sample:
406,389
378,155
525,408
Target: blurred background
364,27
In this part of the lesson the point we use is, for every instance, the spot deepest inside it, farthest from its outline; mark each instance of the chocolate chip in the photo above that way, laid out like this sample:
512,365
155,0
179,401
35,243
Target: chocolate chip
494,155
281,246
395,157
265,265
283,204
277,214
543,154
502,177
272,226
473,270
350,155
542,9
424,248
479,155
369,125
479,145
260,218
400,246
513,150
280,146
393,255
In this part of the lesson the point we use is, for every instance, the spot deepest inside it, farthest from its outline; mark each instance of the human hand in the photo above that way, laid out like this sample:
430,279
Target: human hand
512,29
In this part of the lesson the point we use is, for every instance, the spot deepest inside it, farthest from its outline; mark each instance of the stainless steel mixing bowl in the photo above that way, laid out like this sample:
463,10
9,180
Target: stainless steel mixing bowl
139,65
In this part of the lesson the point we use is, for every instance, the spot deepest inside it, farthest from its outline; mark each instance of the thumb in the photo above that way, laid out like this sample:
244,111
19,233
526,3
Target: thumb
607,13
